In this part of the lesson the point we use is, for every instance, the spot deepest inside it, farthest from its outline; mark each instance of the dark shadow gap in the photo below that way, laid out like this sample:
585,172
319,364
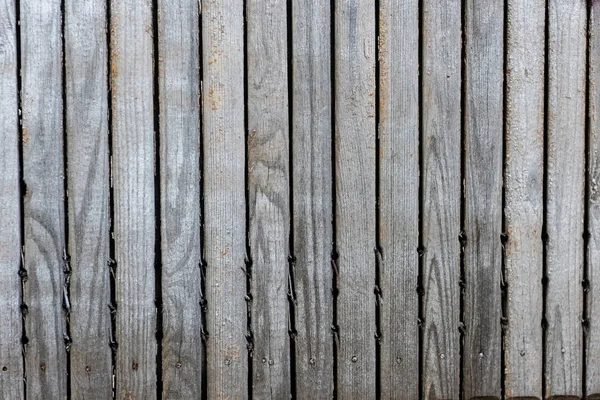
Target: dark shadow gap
378,248
545,205
463,203
334,252
421,249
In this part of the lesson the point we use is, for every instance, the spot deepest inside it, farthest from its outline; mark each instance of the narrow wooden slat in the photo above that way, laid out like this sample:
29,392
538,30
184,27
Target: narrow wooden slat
43,173
484,41
399,196
268,188
134,203
565,189
88,200
355,196
441,80
312,228
11,359
179,89
224,197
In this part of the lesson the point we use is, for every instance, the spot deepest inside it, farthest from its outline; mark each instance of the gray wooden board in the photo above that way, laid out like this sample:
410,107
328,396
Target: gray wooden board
134,203
11,359
441,90
399,196
268,188
484,41
179,91
312,219
355,214
565,189
88,197
224,197
43,173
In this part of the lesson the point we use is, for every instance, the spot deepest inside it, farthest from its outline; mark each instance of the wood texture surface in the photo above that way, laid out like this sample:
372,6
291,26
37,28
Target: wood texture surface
88,197
133,169
312,197
44,214
11,359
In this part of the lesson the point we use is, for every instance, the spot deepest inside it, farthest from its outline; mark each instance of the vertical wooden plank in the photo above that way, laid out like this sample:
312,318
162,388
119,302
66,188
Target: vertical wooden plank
355,196
224,197
11,359
88,200
268,187
484,41
441,80
399,196
179,89
523,180
42,107
312,199
565,189
134,203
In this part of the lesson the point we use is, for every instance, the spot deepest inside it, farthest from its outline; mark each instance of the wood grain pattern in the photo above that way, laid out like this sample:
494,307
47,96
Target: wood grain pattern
43,173
399,196
88,200
268,187
224,197
355,215
441,80
179,91
484,41
11,359
134,203
312,197
565,189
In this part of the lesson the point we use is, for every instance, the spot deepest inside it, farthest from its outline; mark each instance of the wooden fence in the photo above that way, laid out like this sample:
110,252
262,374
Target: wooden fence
311,199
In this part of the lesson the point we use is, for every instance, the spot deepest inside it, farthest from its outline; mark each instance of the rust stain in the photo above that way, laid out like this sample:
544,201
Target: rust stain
25,137
225,251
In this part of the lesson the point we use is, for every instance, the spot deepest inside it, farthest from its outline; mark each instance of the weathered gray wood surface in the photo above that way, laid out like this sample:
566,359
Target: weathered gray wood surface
484,43
11,359
224,198
355,215
399,197
133,171
441,152
268,189
179,104
43,173
312,197
523,182
88,197
567,26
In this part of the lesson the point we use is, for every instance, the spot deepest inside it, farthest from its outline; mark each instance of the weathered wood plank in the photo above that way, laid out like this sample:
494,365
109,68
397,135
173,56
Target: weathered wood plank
179,90
484,41
44,247
88,200
134,204
268,187
399,196
224,197
524,167
441,80
565,190
355,196
11,359
312,200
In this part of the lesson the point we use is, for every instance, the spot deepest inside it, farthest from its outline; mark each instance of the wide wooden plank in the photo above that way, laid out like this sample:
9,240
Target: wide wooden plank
312,199
134,203
441,80
88,200
484,44
268,189
43,173
179,89
399,196
565,189
11,358
224,198
355,196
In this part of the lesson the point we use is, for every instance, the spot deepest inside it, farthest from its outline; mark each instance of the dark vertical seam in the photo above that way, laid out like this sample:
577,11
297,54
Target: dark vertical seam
421,248
545,202
463,212
378,249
